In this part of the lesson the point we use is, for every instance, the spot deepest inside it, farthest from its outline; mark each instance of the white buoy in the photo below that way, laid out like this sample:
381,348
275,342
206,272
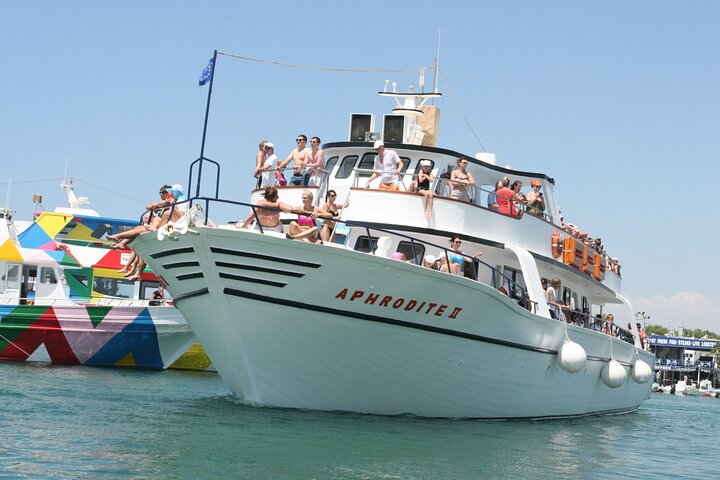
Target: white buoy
641,372
613,374
571,356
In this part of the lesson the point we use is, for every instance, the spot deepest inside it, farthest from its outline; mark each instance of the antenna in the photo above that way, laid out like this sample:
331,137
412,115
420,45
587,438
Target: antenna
437,65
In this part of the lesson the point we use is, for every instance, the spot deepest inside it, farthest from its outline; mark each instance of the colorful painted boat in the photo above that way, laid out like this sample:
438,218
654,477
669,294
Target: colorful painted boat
63,300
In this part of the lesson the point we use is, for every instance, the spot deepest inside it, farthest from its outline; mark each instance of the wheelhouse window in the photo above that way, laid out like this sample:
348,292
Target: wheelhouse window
330,164
346,166
367,162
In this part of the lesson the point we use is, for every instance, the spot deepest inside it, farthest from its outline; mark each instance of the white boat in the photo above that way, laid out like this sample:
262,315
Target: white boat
63,300
343,327
704,388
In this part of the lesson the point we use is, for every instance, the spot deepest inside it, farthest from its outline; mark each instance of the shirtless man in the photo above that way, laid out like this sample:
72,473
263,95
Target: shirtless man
299,155
315,162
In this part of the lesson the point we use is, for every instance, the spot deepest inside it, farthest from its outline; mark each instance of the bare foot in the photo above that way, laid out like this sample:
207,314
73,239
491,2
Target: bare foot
134,278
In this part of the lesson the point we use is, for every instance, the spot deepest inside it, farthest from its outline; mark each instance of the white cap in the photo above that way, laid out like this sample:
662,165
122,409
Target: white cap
269,145
179,188
378,144
430,258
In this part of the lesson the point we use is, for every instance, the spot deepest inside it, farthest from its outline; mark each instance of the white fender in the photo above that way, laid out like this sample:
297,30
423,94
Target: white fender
613,374
571,356
641,372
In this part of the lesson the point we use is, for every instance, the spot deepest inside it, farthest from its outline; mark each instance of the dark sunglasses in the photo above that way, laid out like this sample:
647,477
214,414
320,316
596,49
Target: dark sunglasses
300,140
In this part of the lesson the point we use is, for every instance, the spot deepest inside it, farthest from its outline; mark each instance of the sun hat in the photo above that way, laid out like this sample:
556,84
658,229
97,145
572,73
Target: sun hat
430,258
378,144
269,145
535,183
425,163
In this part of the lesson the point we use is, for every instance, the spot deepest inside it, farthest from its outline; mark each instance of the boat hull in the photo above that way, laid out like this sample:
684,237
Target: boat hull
98,335
286,324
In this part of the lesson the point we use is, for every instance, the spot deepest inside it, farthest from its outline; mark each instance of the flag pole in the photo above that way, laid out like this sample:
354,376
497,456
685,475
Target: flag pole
207,114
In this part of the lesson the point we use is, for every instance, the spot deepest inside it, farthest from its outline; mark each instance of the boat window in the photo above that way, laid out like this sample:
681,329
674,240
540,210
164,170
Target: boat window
330,164
13,277
47,275
407,248
518,281
367,162
147,287
362,244
81,278
114,287
346,167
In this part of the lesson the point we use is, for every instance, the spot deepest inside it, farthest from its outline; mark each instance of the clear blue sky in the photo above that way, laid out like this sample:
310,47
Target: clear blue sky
618,101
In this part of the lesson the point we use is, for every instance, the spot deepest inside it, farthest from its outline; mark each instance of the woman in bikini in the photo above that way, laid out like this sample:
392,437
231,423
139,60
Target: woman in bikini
268,218
460,180
456,256
333,212
305,226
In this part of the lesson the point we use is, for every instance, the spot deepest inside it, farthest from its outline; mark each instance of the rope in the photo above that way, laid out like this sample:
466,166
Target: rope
110,191
447,87
31,181
311,67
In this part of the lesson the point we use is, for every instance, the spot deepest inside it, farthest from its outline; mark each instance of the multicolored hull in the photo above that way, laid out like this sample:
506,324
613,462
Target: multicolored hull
98,335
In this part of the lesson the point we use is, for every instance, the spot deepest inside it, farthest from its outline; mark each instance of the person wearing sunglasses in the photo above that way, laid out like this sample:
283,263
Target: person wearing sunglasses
315,163
456,257
535,200
299,157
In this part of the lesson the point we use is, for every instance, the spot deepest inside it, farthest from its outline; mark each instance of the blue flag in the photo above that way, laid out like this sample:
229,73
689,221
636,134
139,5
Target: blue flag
207,73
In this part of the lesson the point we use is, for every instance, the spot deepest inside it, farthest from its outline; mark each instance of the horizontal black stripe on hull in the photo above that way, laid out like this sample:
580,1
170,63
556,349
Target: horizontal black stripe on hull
254,268
260,256
172,251
389,321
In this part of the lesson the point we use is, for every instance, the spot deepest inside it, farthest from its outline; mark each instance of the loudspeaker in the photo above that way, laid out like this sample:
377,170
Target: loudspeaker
360,123
393,128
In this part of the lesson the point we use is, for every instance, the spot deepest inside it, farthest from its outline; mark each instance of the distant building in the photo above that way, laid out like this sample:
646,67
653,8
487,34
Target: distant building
676,357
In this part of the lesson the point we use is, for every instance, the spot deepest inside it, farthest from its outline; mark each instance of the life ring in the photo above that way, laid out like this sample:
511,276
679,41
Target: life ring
557,243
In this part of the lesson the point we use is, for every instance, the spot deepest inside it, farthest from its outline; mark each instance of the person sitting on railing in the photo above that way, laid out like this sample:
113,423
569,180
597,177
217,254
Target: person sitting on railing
265,169
305,228
168,196
268,218
460,180
387,166
509,198
535,200
423,186
333,211
316,163
299,157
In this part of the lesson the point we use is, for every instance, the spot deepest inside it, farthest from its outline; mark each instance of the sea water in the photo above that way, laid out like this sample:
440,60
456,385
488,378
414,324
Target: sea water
85,422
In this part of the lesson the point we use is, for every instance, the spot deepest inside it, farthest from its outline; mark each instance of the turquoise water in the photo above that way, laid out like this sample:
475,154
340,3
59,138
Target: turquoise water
84,422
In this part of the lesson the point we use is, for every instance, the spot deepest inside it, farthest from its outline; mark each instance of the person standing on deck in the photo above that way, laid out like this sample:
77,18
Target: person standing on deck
388,166
298,155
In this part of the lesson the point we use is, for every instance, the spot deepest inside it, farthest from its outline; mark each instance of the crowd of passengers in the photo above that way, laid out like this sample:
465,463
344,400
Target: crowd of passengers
308,169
